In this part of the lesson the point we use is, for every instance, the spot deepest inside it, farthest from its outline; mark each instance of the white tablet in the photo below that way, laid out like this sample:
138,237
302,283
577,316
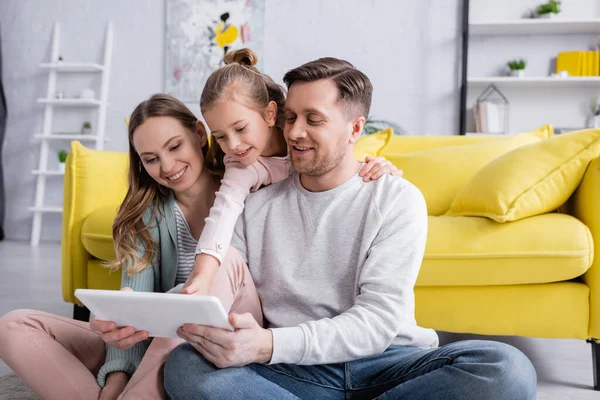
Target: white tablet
160,314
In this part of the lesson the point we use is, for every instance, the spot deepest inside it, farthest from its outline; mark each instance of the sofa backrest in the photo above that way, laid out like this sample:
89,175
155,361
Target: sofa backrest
93,179
440,166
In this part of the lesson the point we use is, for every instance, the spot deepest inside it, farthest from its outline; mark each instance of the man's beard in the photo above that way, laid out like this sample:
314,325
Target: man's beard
319,166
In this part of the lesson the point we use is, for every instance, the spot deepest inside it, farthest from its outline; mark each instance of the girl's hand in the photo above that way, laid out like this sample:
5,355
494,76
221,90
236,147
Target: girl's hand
115,383
121,338
195,284
376,167
200,279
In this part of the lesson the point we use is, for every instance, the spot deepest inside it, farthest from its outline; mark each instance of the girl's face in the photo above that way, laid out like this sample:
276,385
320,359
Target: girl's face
170,153
242,132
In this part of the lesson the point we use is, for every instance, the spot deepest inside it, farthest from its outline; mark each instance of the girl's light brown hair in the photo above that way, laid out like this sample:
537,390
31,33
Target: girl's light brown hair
129,229
239,79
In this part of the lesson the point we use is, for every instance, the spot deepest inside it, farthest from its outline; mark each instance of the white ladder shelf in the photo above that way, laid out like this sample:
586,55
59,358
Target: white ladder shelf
54,67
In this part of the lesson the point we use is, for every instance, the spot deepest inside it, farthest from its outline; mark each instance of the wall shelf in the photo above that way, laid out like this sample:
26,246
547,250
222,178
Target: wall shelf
73,67
71,102
68,136
534,81
46,209
47,173
535,27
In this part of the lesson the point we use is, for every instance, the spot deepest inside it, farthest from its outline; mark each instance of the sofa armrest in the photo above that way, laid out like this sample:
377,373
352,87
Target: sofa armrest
93,179
585,206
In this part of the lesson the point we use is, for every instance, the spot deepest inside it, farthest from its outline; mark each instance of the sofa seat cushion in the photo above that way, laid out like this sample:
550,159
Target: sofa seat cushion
475,251
96,233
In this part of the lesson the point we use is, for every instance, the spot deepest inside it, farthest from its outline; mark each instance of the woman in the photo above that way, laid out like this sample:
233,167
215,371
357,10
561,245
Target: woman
171,190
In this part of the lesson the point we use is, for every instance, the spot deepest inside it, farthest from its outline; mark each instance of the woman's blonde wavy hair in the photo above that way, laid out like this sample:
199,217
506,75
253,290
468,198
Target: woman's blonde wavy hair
129,229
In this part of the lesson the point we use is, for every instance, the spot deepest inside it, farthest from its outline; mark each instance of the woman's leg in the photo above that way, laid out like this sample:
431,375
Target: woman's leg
57,357
234,286
147,381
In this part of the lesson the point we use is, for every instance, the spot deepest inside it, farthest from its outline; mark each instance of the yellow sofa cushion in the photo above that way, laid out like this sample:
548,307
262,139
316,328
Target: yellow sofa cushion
101,277
472,251
530,180
410,143
370,145
96,233
441,173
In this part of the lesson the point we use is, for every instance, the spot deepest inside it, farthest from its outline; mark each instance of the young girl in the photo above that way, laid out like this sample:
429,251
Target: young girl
245,111
172,183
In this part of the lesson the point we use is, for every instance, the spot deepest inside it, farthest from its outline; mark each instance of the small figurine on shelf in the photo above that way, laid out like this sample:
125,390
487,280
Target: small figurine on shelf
86,128
62,158
594,118
517,67
547,10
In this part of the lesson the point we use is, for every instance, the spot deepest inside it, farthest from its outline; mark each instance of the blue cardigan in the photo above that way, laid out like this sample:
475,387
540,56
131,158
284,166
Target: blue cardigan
157,277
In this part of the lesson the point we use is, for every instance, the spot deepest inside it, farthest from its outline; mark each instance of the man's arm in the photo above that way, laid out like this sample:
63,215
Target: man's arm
386,294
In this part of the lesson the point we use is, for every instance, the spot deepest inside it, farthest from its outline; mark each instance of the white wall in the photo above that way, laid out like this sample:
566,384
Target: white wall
532,106
26,40
408,48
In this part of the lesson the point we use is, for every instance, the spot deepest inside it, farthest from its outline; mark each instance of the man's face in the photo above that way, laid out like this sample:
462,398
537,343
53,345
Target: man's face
316,129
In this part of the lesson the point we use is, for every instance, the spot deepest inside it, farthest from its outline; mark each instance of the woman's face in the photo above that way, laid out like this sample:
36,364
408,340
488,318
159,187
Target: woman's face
170,153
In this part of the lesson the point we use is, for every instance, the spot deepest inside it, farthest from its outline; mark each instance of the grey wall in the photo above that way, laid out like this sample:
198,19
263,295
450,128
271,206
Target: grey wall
408,48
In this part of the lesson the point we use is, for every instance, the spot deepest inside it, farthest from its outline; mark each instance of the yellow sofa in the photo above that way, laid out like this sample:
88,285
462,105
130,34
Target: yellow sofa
533,277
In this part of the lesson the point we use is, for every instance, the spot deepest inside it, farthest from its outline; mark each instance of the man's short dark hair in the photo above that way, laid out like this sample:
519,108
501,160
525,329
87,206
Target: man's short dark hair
354,87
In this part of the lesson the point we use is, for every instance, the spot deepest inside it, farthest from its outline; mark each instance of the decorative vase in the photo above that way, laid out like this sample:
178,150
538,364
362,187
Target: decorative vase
519,73
61,167
86,131
594,122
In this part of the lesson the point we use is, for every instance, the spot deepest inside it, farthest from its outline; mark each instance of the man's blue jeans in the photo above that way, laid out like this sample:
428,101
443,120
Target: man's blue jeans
463,370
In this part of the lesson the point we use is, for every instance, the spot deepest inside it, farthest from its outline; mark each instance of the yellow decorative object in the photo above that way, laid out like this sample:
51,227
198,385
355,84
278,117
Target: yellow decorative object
225,36
570,61
458,164
530,180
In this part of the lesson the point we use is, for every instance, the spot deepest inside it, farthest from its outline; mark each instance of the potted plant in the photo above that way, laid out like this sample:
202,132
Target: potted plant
62,158
517,67
376,125
86,128
594,118
547,10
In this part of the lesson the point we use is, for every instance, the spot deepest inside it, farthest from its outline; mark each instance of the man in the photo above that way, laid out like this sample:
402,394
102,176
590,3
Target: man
335,261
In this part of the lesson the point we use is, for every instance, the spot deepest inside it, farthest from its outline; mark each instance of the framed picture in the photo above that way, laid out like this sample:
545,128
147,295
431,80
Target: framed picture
200,32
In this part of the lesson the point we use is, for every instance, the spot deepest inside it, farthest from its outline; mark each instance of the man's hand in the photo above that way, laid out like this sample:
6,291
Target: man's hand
248,344
121,338
115,383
